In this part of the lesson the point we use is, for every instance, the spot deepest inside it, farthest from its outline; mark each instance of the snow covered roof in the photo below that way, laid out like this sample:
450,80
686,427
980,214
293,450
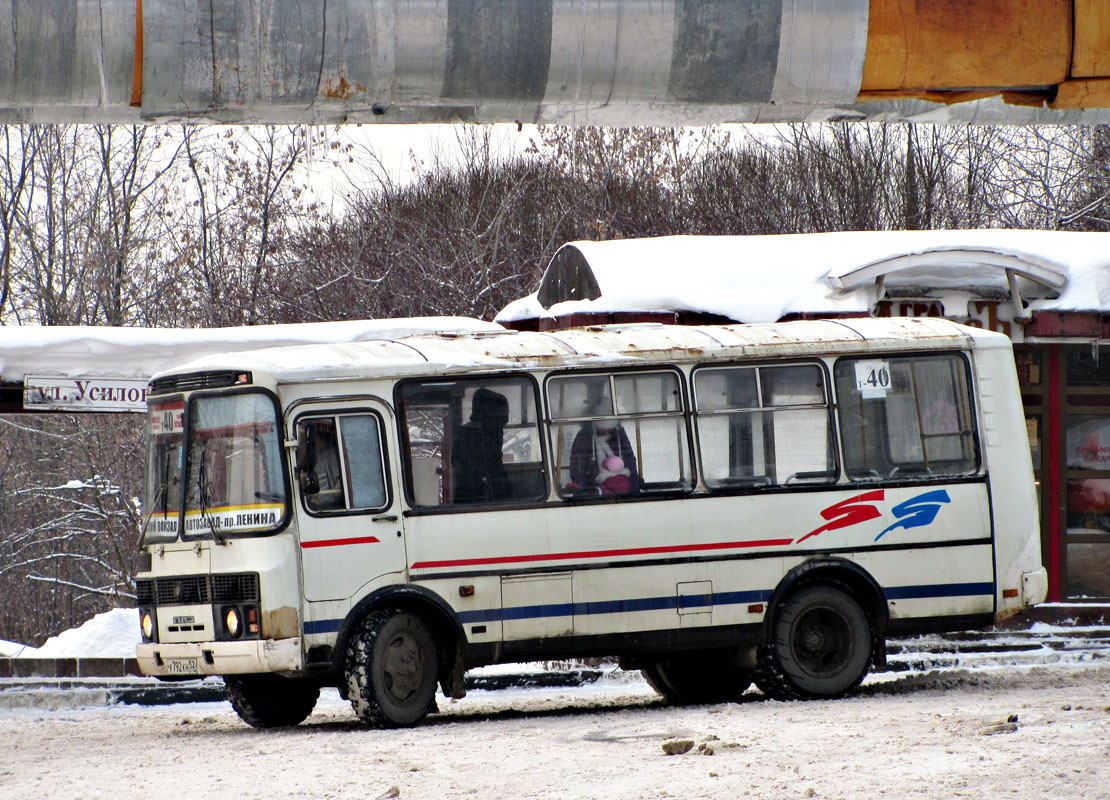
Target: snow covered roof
765,278
601,346
78,351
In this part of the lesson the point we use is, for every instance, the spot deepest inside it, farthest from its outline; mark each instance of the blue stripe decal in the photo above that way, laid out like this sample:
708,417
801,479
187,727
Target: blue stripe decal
322,626
938,590
633,605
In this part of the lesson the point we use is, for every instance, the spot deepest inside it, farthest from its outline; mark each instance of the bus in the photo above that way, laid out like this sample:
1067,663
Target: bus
715,506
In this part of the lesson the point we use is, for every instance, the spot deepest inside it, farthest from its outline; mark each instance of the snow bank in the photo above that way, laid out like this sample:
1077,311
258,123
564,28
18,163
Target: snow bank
112,634
15,649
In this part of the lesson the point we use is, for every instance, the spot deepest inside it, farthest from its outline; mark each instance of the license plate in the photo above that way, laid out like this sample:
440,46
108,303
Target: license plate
181,666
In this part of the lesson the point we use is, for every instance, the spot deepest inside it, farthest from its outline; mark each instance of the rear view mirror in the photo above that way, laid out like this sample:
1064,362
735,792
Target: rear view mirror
306,459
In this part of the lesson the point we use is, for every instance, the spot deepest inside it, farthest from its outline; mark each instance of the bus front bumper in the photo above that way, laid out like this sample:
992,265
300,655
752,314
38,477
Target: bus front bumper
219,658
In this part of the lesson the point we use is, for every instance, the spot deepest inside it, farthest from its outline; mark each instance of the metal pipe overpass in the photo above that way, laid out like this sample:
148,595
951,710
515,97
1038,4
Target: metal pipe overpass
603,62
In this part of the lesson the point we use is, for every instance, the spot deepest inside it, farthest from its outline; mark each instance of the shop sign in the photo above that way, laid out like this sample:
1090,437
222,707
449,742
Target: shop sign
991,315
48,393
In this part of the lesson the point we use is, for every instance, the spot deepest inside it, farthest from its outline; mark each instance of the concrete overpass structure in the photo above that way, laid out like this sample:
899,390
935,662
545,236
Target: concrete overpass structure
611,62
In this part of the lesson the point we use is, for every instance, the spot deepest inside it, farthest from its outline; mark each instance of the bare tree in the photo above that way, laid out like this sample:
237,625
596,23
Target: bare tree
68,489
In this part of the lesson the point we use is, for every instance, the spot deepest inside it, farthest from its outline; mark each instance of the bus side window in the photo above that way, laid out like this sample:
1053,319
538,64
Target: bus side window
764,426
619,433
905,417
472,442
339,463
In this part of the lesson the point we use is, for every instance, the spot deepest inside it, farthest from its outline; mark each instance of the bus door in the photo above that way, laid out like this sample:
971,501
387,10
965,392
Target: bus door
347,510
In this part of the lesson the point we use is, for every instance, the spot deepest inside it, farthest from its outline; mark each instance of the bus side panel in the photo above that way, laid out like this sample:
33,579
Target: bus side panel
1013,491
934,582
683,563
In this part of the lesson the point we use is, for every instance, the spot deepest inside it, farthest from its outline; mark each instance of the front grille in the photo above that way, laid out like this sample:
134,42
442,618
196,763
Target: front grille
195,380
144,592
193,589
183,590
235,588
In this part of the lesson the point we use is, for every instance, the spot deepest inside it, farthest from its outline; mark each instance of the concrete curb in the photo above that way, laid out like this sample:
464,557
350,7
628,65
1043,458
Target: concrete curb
47,693
33,667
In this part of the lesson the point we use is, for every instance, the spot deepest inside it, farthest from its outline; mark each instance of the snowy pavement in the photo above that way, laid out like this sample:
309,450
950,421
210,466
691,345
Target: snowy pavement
985,732
989,714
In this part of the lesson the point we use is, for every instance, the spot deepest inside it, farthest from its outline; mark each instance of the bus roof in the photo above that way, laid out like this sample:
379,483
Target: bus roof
600,346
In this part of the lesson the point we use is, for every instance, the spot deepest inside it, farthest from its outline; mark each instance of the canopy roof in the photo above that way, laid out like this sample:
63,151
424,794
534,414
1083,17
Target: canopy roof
766,278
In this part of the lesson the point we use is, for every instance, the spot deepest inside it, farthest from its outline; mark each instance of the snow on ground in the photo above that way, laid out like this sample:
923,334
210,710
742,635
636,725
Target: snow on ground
112,634
1022,732
985,728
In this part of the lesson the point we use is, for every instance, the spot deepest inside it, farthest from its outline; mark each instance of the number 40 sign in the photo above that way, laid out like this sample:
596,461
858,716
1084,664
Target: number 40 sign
872,379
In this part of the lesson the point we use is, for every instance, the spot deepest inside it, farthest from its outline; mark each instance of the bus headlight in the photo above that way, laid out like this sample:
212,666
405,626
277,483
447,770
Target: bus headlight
146,624
232,623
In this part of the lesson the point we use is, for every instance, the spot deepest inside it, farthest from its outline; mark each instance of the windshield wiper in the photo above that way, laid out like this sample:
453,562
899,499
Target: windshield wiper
150,516
203,492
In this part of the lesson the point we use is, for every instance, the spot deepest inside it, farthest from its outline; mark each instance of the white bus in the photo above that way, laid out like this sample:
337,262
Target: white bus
711,505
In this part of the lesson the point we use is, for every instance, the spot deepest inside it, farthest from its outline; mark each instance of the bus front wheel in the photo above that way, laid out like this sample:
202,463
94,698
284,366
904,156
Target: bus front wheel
391,669
697,678
271,701
820,646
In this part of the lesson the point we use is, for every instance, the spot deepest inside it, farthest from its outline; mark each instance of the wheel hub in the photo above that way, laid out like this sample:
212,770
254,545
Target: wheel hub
401,667
820,641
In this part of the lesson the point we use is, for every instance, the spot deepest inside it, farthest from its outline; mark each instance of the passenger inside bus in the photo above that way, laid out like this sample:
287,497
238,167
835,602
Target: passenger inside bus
477,464
602,460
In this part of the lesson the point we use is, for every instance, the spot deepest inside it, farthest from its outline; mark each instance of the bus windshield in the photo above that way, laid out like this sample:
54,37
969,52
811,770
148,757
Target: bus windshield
224,466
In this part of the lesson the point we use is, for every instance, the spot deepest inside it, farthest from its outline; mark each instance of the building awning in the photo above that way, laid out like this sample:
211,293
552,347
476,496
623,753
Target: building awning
976,271
765,278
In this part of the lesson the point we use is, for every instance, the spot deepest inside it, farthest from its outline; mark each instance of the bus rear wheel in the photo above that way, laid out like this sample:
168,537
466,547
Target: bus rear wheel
820,646
391,669
697,678
271,701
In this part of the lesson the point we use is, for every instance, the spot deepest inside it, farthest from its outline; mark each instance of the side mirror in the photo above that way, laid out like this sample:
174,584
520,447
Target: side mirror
306,460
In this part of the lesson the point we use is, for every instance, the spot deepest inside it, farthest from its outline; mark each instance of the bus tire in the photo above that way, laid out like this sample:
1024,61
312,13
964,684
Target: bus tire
271,701
391,669
820,646
697,678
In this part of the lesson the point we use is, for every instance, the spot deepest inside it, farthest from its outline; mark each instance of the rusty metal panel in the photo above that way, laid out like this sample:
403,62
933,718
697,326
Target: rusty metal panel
624,62
70,54
821,51
725,51
1091,54
410,49
204,57
497,51
957,44
607,52
1088,93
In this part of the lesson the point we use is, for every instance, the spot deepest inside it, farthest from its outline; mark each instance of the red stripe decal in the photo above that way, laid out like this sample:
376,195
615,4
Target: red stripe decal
339,542
636,551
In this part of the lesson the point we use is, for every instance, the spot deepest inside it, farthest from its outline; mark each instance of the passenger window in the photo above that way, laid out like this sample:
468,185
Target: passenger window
619,434
472,442
905,417
764,426
339,463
